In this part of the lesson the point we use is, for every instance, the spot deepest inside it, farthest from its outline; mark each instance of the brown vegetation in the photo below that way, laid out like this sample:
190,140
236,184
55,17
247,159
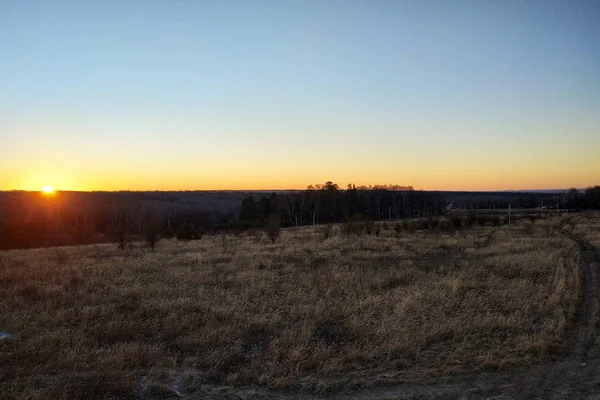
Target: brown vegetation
302,313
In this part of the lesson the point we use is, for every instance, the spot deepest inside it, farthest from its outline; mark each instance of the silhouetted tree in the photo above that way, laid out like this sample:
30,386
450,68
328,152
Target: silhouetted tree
152,228
169,231
249,214
592,197
118,230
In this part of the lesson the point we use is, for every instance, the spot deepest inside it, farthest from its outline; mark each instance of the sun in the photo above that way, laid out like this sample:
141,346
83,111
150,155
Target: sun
47,189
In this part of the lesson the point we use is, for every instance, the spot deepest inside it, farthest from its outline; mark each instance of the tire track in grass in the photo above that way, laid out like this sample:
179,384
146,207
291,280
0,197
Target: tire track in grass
572,376
563,379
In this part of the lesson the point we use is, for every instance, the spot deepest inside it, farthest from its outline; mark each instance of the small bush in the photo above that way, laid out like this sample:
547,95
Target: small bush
377,230
471,219
118,229
397,228
169,232
121,238
273,226
432,223
369,226
187,231
327,231
443,225
354,224
152,229
456,222
421,224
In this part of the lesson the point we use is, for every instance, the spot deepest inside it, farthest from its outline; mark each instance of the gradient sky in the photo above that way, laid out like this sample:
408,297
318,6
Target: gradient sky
176,94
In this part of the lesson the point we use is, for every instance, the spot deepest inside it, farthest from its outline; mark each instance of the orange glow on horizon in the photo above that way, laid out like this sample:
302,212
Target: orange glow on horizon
490,177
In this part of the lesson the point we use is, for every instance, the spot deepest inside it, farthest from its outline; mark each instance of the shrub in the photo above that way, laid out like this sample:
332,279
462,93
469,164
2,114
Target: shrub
273,226
456,221
471,219
152,229
482,220
369,224
358,228
422,224
432,223
443,225
354,224
169,232
120,237
377,229
397,228
118,229
327,230
187,231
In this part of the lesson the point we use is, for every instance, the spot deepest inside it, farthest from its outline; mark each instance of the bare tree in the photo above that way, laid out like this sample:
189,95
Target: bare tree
140,216
118,230
152,229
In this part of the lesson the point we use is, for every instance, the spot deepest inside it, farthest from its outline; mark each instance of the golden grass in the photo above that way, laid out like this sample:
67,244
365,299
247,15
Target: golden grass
303,313
588,226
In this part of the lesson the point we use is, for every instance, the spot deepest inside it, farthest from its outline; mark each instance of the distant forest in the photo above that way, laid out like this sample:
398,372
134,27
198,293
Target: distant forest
32,219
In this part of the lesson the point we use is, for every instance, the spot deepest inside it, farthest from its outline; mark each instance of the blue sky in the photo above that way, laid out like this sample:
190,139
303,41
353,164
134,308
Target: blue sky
279,94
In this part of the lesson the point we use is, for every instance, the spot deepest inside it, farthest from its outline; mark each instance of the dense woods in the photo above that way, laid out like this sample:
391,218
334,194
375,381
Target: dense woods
329,204
32,219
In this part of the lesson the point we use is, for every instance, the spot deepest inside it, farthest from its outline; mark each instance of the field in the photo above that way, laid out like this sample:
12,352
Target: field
241,316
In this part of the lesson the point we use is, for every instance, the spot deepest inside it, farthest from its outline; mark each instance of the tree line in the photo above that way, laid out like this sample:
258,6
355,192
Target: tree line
29,219
327,203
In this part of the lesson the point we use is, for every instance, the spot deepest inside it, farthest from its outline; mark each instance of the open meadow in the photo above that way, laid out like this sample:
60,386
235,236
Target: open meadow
305,314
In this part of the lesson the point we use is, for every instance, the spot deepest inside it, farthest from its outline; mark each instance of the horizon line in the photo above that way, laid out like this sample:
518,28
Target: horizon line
295,190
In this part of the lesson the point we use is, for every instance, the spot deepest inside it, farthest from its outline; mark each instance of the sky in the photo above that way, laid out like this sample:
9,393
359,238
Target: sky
186,95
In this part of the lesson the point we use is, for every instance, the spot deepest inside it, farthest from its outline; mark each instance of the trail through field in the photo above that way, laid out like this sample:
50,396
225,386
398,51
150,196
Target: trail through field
572,376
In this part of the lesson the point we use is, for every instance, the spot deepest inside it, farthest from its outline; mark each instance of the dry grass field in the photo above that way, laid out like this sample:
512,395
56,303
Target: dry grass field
303,314
587,226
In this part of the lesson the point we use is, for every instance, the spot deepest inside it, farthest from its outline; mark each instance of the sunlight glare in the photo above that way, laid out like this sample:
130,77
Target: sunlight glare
47,189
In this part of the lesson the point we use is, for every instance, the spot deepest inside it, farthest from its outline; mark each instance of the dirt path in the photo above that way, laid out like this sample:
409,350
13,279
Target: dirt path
573,376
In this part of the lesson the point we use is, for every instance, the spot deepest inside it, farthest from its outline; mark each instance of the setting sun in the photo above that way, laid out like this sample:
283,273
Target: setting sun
47,189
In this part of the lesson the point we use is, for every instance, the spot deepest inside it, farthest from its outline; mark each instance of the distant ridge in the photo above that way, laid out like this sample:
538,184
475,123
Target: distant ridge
548,191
